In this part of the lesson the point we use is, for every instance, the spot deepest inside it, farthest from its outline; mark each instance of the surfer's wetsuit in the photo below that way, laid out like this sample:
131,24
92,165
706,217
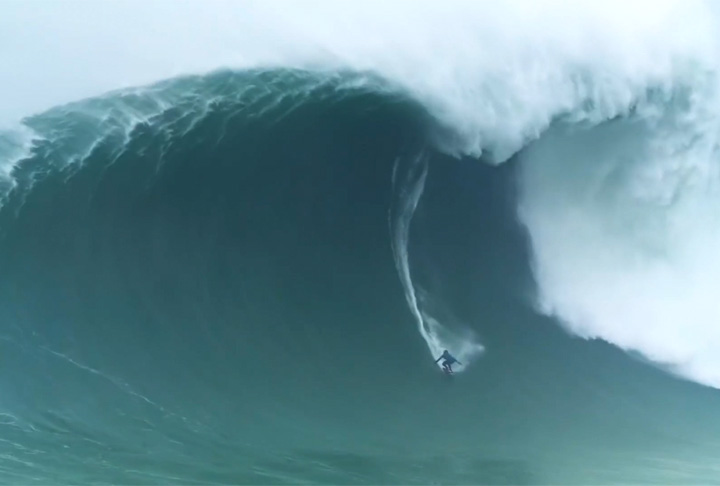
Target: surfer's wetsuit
449,359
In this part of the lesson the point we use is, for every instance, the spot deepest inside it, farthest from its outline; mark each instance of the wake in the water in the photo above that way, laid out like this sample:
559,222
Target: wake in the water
408,179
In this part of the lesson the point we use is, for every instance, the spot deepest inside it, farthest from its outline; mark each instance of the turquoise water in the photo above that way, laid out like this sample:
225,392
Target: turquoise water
198,285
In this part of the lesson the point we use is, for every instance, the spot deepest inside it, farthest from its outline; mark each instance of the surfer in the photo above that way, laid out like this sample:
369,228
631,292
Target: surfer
449,359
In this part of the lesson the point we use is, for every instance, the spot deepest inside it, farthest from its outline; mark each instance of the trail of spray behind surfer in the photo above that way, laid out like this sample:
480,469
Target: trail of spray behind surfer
408,181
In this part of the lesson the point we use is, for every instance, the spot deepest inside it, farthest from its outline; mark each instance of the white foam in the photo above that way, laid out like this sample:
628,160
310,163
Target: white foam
625,226
15,145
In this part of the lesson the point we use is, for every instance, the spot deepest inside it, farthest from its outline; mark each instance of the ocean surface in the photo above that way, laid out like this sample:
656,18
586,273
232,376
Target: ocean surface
245,276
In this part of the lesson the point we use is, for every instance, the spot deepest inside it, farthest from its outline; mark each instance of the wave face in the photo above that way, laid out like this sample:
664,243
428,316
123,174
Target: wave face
244,276
221,278
540,82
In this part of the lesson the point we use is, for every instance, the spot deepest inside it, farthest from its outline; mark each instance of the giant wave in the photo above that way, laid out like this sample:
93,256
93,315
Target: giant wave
161,241
496,79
